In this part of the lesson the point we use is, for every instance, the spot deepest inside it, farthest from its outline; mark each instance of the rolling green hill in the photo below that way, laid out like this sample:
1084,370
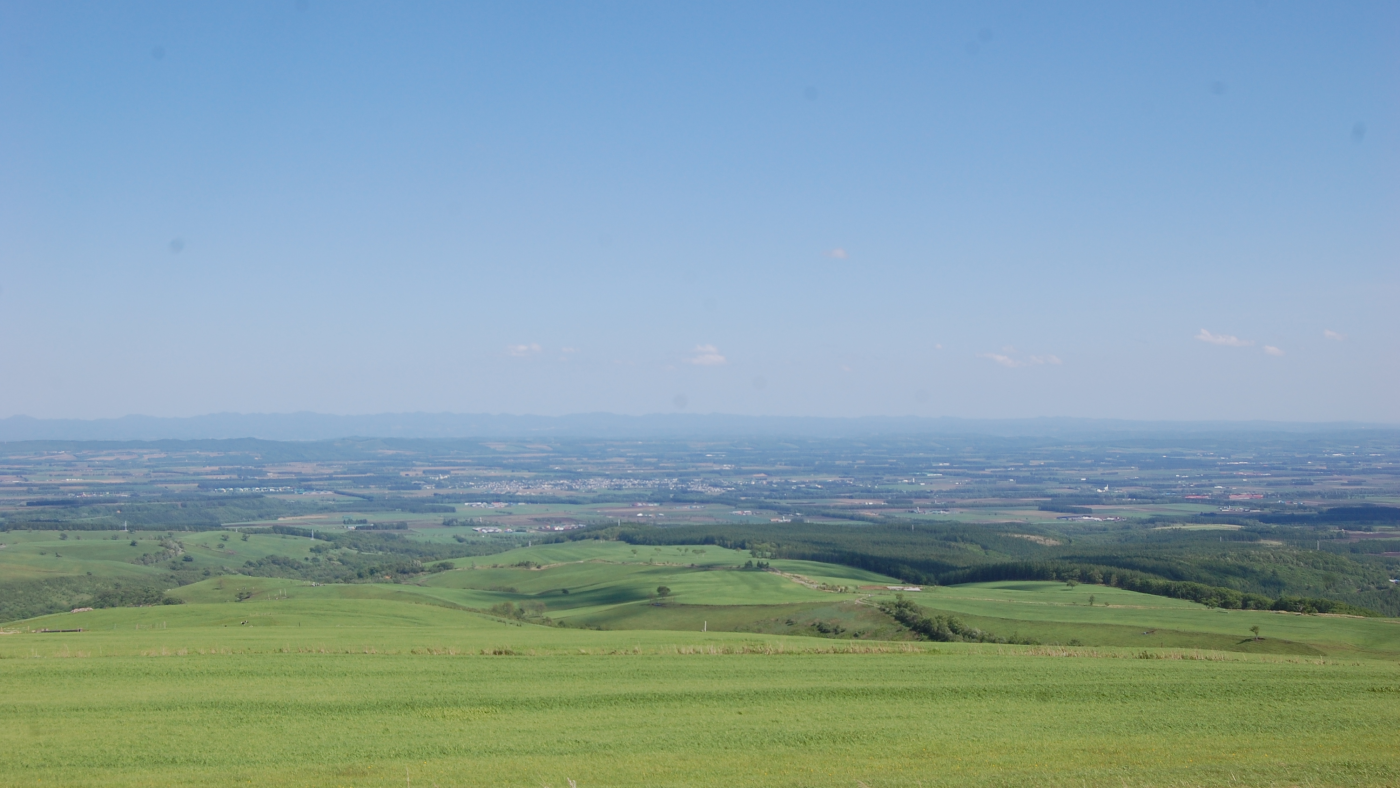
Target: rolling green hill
616,586
489,673
613,596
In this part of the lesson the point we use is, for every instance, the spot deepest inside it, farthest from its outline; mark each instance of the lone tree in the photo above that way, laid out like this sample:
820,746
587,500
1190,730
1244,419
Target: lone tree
1255,630
663,591
1091,600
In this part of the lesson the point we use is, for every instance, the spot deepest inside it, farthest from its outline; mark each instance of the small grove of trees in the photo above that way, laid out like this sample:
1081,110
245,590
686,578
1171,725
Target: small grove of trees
170,550
28,598
525,611
1294,604
132,596
938,627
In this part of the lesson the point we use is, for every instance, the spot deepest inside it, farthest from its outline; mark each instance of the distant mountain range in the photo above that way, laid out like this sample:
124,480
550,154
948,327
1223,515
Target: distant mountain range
319,426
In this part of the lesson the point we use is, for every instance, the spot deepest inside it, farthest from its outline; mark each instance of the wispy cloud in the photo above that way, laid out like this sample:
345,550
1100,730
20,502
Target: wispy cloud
1005,361
1335,336
1009,358
520,351
568,350
1273,351
837,253
1223,339
706,356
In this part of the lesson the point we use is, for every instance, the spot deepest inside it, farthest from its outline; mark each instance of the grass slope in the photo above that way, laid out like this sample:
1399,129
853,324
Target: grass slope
36,554
371,692
375,684
612,585
1054,612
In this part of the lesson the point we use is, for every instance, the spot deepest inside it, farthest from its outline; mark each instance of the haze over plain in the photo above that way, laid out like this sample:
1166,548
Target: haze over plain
1012,210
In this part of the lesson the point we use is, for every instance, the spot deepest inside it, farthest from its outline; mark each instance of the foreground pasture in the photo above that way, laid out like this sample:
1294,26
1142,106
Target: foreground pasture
379,692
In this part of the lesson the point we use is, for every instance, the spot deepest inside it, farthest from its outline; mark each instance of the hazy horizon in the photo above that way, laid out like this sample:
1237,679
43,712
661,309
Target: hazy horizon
657,426
1162,213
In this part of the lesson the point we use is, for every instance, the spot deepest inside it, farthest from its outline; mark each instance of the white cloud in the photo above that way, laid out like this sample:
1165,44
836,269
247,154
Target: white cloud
1005,361
706,356
1223,339
1009,358
1335,336
838,253
520,351
568,350
1273,351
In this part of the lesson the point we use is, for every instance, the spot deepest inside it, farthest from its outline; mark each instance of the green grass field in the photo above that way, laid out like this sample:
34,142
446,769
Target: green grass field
407,684
1054,612
38,554
612,585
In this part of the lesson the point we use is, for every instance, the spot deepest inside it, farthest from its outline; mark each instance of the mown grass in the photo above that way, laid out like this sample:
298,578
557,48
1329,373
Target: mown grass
377,684
415,697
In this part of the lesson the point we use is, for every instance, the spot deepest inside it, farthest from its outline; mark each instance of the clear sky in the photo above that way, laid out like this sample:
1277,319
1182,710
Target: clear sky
1136,210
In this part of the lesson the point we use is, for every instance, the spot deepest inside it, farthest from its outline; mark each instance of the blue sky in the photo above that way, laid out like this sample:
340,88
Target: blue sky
1149,211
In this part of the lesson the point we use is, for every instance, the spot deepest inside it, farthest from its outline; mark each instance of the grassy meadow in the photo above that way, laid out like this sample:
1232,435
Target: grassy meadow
39,554
391,684
1055,612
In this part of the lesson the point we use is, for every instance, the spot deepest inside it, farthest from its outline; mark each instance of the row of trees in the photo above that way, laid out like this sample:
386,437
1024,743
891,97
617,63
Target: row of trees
945,629
1211,596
